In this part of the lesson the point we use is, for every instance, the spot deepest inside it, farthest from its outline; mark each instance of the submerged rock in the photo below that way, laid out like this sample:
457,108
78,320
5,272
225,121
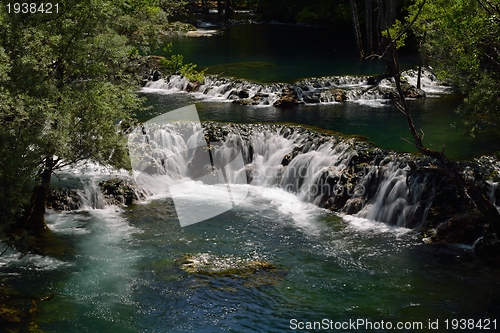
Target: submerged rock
251,273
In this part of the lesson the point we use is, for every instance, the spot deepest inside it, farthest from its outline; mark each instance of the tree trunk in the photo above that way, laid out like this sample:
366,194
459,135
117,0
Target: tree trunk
369,26
36,220
229,9
420,60
219,8
390,13
357,29
381,25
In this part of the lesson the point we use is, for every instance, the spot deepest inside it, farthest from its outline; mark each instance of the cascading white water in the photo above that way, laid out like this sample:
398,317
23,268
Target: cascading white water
291,160
396,200
313,90
91,195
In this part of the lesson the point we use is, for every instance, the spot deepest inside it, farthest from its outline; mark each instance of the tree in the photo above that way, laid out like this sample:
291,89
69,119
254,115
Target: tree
462,41
65,88
356,28
444,167
369,26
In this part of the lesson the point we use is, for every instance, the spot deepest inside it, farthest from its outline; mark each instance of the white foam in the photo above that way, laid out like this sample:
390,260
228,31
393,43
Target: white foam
370,226
12,259
304,215
373,103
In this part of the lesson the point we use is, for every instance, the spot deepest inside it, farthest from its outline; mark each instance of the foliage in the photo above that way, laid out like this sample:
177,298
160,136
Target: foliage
394,31
175,65
463,43
325,12
64,88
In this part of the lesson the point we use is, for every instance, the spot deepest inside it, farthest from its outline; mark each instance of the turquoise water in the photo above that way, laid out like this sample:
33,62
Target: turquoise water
125,272
380,122
123,276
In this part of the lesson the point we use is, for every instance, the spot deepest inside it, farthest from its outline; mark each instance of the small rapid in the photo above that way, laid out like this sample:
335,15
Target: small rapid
322,90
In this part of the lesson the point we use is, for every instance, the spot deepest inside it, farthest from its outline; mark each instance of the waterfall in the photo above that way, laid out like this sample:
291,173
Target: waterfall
331,172
397,197
91,195
322,90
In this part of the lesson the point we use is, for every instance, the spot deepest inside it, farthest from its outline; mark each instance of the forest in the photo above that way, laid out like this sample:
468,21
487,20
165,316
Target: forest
69,82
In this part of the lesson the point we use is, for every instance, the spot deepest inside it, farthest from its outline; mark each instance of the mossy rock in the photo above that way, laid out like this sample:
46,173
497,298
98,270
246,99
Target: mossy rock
461,228
251,273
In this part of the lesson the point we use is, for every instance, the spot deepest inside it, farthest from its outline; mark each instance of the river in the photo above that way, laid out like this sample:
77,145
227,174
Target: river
128,272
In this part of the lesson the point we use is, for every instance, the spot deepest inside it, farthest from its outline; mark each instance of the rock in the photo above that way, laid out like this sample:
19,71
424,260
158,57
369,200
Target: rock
156,75
387,93
193,86
286,159
487,246
375,80
289,98
63,200
243,272
461,228
312,98
243,94
411,91
339,95
120,192
353,206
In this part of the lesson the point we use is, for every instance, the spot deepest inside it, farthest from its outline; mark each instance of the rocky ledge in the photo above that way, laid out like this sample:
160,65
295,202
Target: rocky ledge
113,191
400,189
286,95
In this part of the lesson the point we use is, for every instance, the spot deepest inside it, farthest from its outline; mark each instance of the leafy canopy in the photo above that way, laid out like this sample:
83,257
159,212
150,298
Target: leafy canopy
463,43
66,82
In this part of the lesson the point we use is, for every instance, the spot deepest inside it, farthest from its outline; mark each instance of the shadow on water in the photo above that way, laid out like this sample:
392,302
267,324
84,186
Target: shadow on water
379,121
275,53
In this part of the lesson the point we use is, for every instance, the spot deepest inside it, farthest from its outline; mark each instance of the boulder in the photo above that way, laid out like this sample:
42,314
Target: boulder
121,192
487,246
243,93
63,200
339,95
289,98
312,98
411,91
156,75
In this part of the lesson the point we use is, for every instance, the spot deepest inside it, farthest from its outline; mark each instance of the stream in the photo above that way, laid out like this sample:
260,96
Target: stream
275,261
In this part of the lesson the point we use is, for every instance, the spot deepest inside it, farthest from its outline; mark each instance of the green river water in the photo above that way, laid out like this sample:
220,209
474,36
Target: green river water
125,273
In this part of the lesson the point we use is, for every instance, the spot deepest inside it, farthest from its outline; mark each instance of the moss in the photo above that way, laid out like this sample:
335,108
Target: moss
246,273
18,313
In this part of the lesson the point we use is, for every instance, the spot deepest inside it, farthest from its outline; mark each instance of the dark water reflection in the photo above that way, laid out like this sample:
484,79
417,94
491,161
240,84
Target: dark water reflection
379,121
276,53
